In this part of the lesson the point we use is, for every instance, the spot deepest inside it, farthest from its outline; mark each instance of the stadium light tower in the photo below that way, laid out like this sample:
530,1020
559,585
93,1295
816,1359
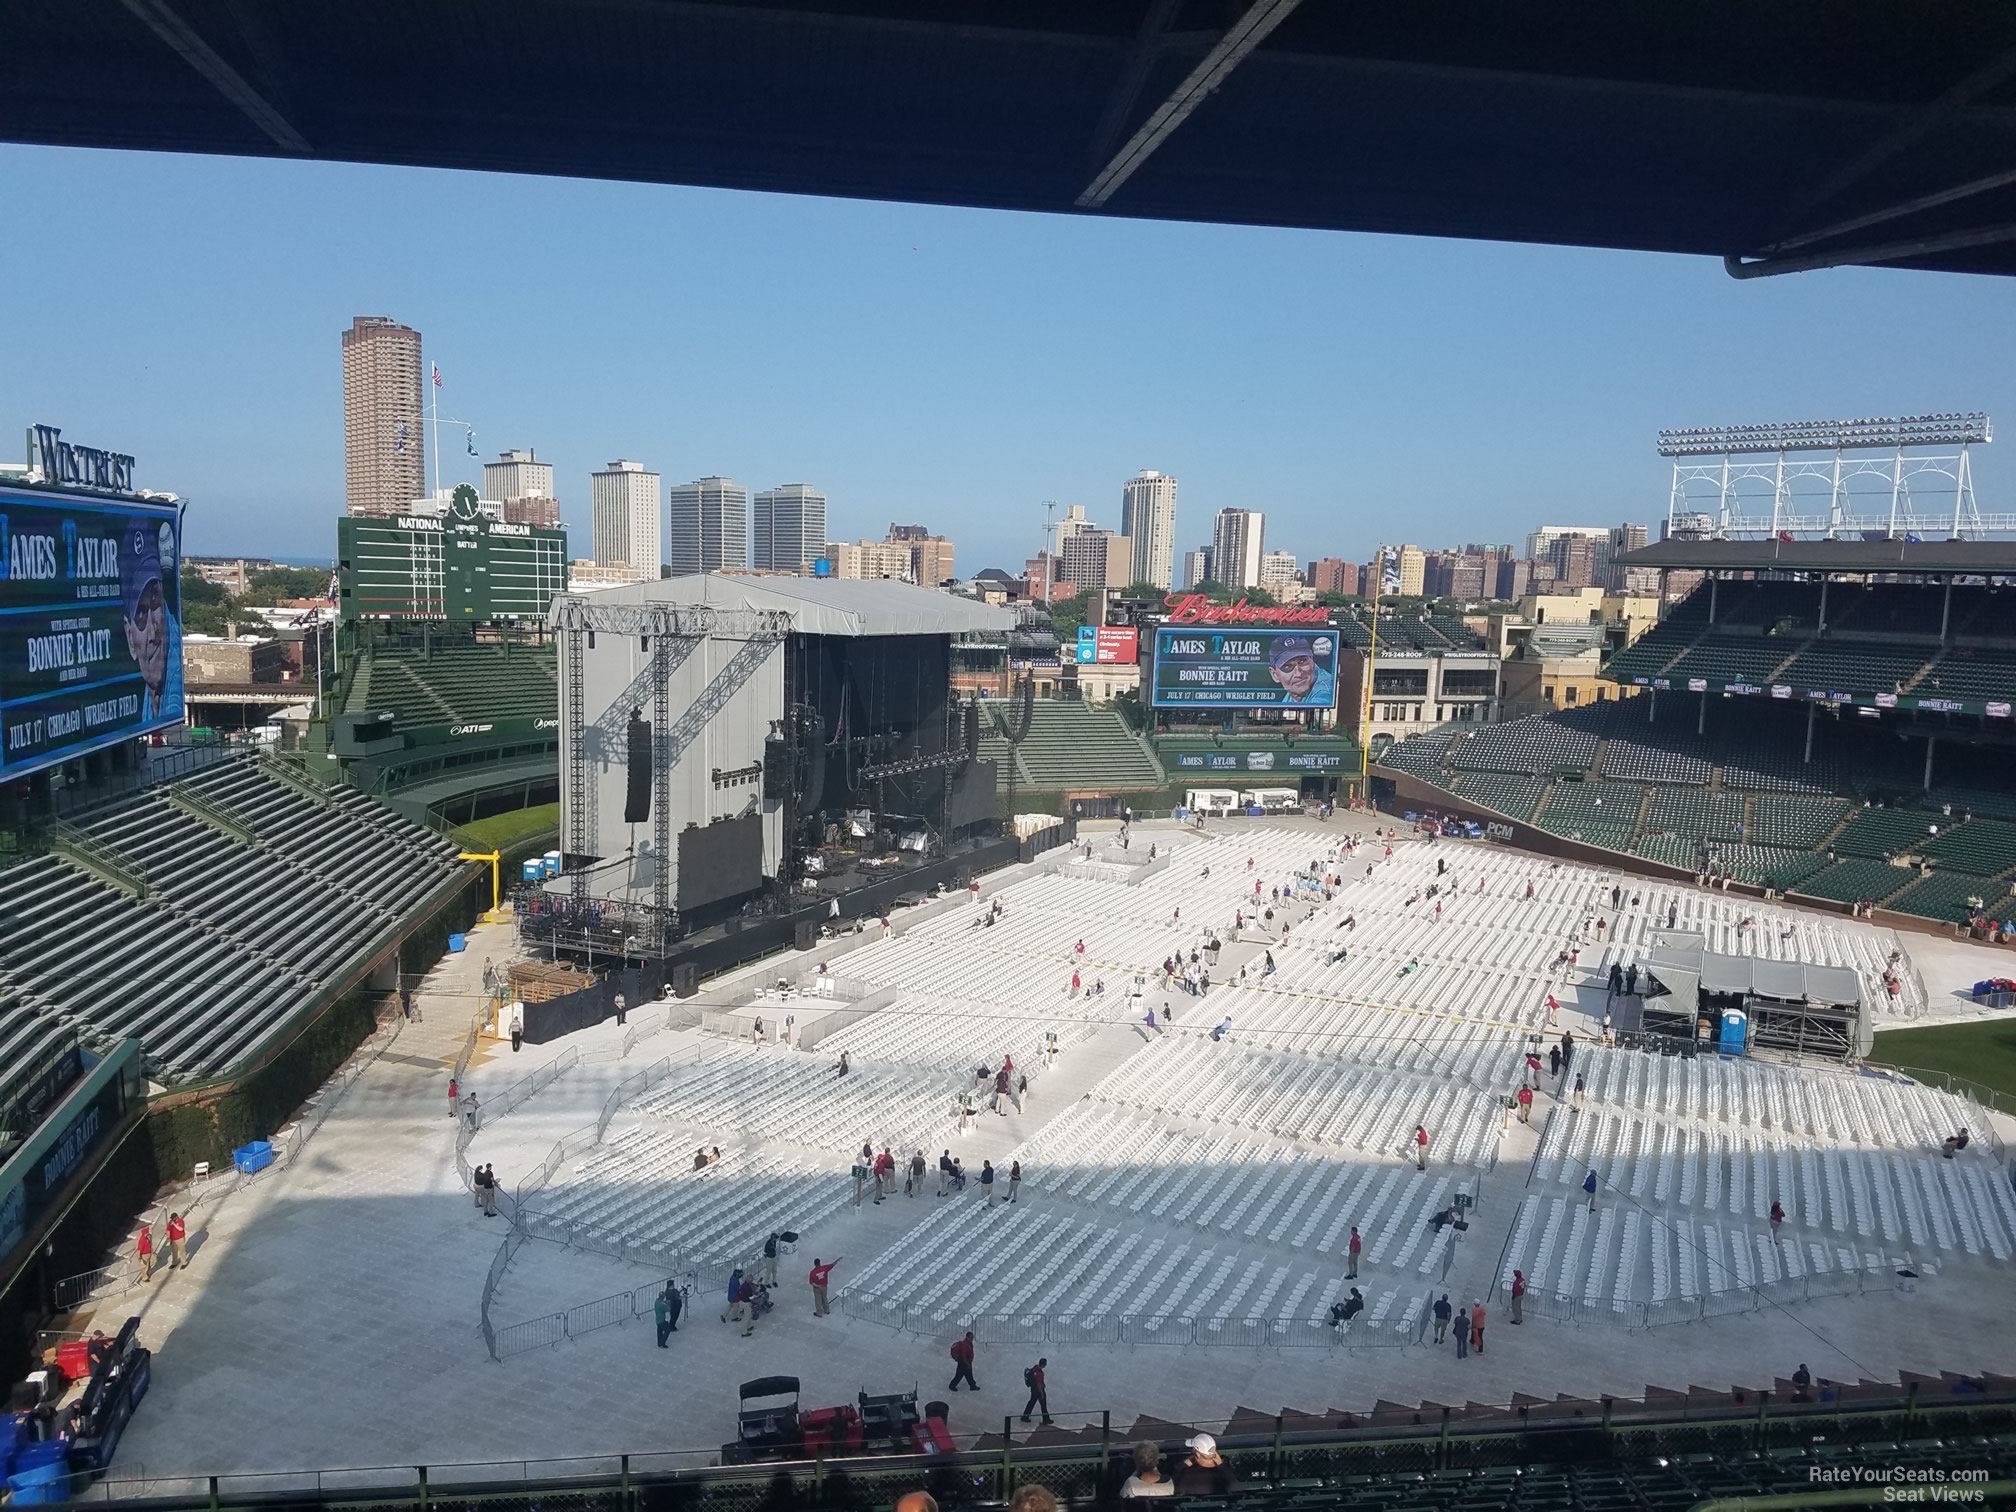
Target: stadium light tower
1874,477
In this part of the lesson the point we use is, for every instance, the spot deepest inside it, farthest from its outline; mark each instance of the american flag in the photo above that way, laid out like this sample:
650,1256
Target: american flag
437,375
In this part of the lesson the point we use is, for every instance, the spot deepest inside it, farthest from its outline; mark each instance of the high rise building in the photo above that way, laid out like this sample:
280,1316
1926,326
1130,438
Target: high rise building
524,486
384,437
790,528
708,526
1095,559
1334,575
1413,564
1196,567
1515,576
1576,561
1623,538
869,559
1148,519
624,501
930,555
1279,569
518,475
1237,542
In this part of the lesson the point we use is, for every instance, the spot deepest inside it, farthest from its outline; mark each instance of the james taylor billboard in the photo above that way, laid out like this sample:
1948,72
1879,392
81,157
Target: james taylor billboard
90,625
1248,669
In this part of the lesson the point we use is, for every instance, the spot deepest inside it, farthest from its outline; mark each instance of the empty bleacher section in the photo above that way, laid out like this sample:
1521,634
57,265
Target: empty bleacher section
203,916
455,682
1526,746
1081,748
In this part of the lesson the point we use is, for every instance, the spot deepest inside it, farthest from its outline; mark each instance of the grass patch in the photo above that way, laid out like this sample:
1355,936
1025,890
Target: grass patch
1980,1052
502,831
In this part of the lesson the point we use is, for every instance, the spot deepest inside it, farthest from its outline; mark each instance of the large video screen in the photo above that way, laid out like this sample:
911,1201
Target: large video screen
1245,669
90,625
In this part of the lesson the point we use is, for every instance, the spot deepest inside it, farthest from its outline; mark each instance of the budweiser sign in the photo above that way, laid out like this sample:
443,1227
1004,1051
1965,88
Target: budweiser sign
1200,609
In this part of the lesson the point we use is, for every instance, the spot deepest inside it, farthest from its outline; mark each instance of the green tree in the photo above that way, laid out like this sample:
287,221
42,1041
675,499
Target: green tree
1338,600
206,607
1153,591
1067,614
271,585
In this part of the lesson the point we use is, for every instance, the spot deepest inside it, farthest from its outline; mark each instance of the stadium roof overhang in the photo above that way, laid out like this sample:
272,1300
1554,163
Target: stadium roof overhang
1926,558
1781,137
827,606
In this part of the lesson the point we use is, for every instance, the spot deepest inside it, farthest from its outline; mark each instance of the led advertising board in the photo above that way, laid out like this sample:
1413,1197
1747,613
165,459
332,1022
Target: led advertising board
1244,668
90,624
1106,646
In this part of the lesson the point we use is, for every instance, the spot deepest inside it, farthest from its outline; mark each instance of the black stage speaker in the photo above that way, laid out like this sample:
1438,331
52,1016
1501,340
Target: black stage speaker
806,935
776,770
685,979
637,797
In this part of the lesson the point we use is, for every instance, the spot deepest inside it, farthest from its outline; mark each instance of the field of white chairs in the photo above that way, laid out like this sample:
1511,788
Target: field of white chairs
1188,1075
768,1092
948,1034
967,1266
641,1188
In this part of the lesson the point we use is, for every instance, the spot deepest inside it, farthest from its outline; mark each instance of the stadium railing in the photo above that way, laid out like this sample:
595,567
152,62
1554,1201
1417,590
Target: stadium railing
1312,1464
324,1102
587,1317
657,1021
1737,1300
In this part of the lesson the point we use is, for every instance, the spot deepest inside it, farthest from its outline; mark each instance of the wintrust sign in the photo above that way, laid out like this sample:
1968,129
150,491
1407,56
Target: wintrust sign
1201,609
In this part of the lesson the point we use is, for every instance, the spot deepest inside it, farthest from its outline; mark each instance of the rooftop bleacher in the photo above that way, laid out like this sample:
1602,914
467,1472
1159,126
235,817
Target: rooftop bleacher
217,908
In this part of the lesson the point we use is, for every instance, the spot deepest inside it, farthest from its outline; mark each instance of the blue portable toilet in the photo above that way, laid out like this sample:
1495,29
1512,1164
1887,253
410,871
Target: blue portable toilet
1735,1036
532,871
551,863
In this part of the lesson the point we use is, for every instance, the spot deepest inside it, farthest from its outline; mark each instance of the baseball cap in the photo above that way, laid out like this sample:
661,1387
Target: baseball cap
1288,647
139,561
1201,1443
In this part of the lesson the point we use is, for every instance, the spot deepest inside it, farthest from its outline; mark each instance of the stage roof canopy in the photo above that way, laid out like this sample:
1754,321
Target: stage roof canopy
1676,964
1930,558
827,606
1803,133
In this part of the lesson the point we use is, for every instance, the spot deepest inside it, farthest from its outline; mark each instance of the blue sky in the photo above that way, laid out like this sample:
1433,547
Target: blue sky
945,366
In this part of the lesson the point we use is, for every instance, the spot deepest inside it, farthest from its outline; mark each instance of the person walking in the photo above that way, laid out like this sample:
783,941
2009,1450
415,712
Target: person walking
661,1312
454,1097
1777,1218
745,1306
914,1183
1477,1326
475,1114
1554,1061
1354,1249
770,1259
489,1191
1518,1295
1462,1332
145,1247
822,1271
1420,1147
987,1181
944,1170
1589,1188
1001,1080
178,1239
962,1363
1441,1310
1039,1391
1015,1182
1578,1087
622,1009
1525,1105
517,1028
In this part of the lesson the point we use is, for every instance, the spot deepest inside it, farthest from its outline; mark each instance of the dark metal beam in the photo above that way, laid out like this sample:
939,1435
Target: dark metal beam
1874,256
1245,34
226,80
1133,78
1944,111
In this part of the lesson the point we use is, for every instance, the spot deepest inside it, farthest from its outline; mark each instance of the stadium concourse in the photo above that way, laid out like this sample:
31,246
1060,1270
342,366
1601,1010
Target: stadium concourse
1184,1184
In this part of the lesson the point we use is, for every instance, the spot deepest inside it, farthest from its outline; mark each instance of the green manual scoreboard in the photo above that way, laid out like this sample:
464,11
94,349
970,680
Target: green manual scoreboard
459,567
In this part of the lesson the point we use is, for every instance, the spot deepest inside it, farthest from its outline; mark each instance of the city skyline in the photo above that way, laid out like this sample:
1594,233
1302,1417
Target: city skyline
1353,382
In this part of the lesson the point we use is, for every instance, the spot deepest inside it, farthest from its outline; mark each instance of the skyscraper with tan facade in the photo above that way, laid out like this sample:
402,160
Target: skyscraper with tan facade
384,400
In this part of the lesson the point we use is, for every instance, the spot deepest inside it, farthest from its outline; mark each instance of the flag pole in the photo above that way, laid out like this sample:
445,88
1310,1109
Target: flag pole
434,430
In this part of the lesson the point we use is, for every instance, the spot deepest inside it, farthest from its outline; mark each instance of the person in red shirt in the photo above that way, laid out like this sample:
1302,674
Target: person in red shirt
146,1249
1039,1391
1420,1147
962,1361
178,1236
1518,1294
821,1270
454,1097
1356,1246
1477,1326
885,1173
1525,1105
